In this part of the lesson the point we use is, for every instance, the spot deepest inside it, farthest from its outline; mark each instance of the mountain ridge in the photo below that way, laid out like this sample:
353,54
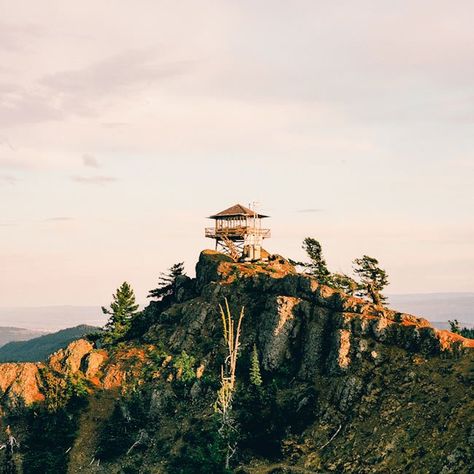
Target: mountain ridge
13,333
37,349
343,380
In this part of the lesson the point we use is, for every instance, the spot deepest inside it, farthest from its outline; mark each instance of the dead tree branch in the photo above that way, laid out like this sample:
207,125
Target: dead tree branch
332,437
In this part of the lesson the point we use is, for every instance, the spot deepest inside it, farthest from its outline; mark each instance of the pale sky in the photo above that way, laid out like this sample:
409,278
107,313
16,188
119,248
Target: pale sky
123,124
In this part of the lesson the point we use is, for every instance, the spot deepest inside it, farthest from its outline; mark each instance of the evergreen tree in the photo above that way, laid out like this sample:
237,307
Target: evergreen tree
345,283
317,267
454,326
122,310
167,282
255,376
372,279
466,332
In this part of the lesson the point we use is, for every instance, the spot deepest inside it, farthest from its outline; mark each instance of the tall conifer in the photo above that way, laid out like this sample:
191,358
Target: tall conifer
121,312
255,375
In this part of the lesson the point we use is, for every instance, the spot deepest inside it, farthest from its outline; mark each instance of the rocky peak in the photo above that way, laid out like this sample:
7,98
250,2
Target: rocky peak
294,320
290,309
342,378
217,267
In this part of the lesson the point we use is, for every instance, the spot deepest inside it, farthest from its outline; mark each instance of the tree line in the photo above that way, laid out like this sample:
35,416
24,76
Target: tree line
455,326
369,282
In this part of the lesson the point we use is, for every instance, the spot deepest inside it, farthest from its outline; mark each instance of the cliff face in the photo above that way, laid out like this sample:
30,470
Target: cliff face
20,383
348,386
23,384
296,321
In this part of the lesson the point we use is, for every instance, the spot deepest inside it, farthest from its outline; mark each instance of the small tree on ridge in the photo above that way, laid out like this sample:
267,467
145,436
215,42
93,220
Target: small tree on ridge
373,279
345,283
121,312
317,267
167,282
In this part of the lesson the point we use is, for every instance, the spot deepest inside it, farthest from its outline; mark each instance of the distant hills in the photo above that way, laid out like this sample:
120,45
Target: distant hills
8,334
39,348
438,308
51,318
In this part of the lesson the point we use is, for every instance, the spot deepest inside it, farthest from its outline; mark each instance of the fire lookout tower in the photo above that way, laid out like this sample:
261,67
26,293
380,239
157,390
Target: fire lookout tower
238,232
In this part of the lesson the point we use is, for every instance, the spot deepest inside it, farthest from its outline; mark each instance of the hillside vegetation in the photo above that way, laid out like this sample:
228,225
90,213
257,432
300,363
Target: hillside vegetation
324,382
40,348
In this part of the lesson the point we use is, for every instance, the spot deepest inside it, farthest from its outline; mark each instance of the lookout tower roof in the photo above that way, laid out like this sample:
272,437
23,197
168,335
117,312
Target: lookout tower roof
237,211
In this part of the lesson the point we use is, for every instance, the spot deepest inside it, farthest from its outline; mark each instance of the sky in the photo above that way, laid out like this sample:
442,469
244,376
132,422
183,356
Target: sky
123,124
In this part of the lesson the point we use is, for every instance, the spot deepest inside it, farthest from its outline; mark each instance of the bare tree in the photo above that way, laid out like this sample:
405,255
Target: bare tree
225,394
9,466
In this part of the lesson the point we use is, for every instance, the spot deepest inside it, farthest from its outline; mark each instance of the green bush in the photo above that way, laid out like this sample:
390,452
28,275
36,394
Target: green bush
184,365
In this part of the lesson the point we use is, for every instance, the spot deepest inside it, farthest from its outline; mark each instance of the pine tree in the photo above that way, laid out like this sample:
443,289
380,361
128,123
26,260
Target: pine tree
372,279
317,267
167,282
454,326
345,283
255,376
122,310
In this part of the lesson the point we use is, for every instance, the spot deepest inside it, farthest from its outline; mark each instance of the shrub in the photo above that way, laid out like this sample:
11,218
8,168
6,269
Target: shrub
184,365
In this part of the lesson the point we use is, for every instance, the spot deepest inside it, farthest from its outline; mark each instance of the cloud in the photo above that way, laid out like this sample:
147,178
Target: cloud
117,72
7,179
23,106
86,92
98,180
90,161
81,90
15,37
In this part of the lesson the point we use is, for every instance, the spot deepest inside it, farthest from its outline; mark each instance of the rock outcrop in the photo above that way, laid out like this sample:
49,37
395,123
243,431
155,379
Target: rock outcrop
295,320
69,360
23,384
343,378
20,384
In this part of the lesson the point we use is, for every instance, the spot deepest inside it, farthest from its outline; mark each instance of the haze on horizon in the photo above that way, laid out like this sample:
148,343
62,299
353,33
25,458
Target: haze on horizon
123,124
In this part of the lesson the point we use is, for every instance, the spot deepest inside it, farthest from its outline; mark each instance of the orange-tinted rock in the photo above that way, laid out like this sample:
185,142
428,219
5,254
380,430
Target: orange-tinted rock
92,363
20,382
69,360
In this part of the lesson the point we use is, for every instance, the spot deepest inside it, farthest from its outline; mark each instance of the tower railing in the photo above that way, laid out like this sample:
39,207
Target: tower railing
214,233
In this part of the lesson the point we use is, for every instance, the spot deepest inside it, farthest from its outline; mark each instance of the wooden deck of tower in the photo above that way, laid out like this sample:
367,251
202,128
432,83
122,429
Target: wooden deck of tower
238,232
